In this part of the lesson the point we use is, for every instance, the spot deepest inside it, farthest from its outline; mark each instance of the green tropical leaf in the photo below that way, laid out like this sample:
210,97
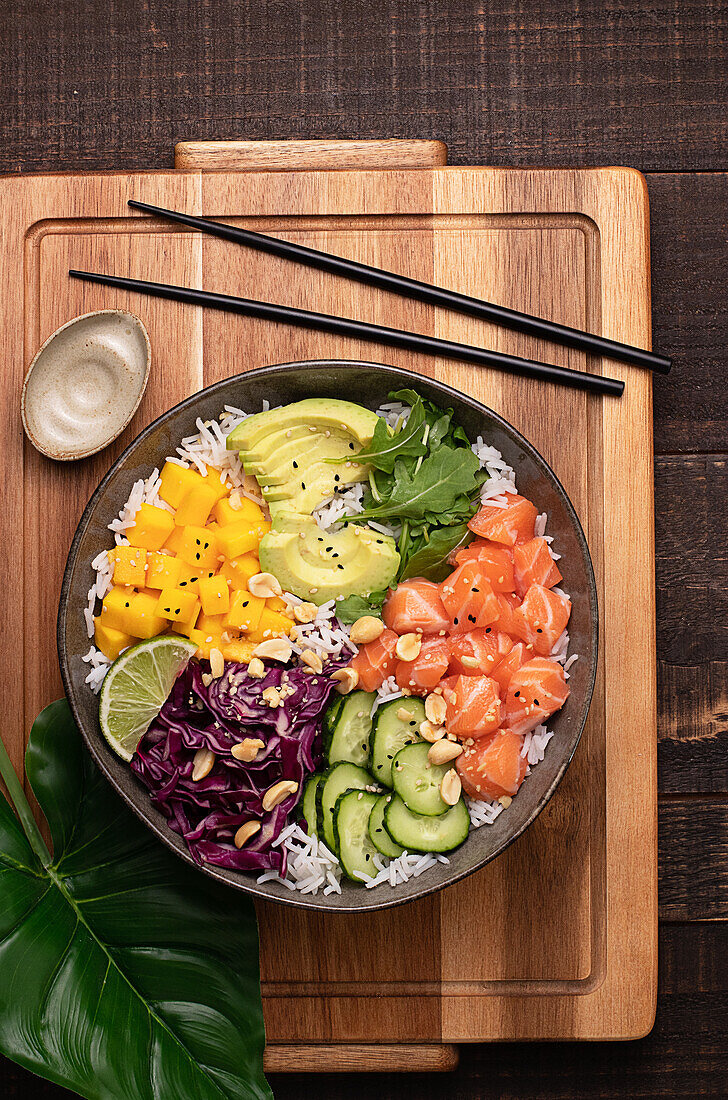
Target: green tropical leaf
124,973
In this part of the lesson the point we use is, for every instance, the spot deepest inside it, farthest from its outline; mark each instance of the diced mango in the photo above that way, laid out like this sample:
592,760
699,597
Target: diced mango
189,624
130,565
239,650
236,539
270,625
214,481
214,595
177,604
195,506
152,527
245,611
175,540
273,603
190,576
210,624
176,481
109,640
238,571
163,571
133,612
205,642
198,547
224,513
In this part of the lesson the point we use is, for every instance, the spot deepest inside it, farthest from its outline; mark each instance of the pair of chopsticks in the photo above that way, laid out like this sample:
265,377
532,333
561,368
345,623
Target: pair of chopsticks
399,284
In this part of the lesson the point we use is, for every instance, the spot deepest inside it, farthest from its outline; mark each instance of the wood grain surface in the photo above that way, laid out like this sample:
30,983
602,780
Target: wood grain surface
115,85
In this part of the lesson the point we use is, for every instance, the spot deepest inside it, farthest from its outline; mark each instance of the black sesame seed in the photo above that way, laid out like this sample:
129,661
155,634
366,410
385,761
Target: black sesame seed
455,621
320,540
246,603
351,446
197,556
539,630
329,549
178,611
475,590
339,565
295,465
368,856
472,619
535,702
127,605
488,629
197,541
303,484
516,693
336,477
380,542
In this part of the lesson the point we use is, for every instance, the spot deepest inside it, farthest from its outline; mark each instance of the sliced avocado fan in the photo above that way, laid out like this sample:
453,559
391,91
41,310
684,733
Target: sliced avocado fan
323,565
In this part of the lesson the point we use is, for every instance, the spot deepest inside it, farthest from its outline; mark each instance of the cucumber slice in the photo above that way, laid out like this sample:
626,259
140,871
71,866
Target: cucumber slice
351,829
379,835
308,804
329,719
417,781
336,781
350,729
391,732
420,833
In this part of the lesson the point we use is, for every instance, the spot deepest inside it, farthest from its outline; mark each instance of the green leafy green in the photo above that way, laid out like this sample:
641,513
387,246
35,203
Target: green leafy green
442,429
385,448
428,557
353,607
123,972
441,486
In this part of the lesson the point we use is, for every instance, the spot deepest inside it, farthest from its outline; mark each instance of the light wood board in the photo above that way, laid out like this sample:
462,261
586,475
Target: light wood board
557,937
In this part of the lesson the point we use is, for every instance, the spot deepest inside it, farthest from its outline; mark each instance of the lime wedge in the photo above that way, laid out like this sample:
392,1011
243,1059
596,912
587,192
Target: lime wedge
136,687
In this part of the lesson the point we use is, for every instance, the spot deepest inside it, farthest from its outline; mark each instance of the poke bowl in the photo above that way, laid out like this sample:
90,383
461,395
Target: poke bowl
316,676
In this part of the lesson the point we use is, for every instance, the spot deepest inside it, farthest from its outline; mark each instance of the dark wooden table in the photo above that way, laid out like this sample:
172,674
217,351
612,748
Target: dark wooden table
104,84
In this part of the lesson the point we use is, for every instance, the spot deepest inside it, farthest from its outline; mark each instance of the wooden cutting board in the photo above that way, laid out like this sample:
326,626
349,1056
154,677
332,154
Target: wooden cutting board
557,937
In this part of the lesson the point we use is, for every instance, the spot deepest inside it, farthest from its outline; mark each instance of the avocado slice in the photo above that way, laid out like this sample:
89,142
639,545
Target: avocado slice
322,413
322,565
289,450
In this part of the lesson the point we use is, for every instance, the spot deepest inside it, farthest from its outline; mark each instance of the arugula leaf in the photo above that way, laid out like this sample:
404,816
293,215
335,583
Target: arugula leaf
123,972
385,448
440,420
429,558
444,483
353,607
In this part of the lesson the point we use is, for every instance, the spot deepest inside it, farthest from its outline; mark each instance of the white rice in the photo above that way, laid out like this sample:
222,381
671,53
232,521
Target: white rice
386,693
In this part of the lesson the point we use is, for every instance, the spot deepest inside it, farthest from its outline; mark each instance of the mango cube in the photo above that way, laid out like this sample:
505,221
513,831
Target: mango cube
238,571
214,595
274,603
236,539
130,565
174,541
110,641
213,481
190,576
152,527
189,624
245,612
205,642
271,624
133,612
198,547
177,604
163,571
210,624
176,481
239,650
195,506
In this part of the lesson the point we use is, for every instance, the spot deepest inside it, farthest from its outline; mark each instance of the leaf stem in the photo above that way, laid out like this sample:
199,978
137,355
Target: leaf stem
22,807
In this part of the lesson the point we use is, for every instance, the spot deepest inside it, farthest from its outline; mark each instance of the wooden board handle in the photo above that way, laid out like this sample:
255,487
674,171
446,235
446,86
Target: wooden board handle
361,1058
280,156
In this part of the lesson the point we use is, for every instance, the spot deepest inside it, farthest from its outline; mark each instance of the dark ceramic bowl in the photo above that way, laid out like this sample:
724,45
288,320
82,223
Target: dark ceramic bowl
367,384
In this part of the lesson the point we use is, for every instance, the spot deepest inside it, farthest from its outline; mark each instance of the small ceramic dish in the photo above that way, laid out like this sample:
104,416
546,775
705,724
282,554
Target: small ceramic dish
85,384
369,384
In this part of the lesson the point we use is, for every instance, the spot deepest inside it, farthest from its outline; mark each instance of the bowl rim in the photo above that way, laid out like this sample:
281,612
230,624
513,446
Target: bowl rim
247,883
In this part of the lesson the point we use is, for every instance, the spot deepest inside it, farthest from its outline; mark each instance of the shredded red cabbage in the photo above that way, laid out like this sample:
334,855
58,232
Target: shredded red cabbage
217,716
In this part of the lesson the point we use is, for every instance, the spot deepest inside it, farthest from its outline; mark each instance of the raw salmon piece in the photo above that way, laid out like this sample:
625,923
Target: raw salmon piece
510,664
507,607
493,766
468,598
478,652
495,561
415,606
536,691
375,661
534,565
508,524
541,619
473,707
425,672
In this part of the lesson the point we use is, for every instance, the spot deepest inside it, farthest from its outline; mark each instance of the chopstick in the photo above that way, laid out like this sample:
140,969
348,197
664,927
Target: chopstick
422,292
362,330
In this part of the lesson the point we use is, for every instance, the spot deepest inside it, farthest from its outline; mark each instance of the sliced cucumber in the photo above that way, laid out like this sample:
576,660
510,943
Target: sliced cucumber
336,781
351,828
308,803
420,833
350,729
329,718
379,835
391,732
417,781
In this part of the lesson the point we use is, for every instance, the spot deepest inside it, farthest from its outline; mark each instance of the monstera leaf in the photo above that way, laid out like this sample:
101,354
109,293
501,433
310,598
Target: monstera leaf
124,974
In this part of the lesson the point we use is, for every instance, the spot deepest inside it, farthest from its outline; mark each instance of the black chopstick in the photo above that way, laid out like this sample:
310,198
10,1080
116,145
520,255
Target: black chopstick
362,330
422,292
